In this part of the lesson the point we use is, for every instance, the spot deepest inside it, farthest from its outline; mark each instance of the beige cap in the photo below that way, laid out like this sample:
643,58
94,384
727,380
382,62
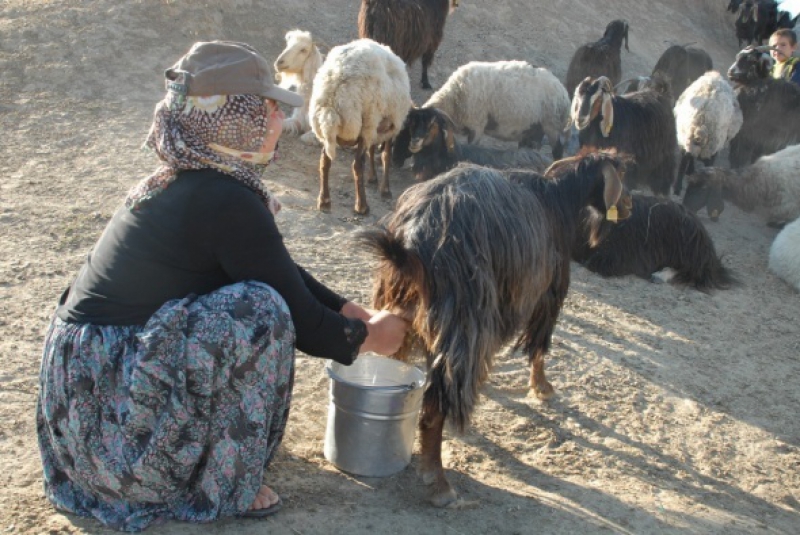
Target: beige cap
226,68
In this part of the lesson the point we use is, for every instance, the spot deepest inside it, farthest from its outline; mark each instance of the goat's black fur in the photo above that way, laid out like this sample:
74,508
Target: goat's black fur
659,234
680,65
428,136
413,29
601,58
643,127
770,109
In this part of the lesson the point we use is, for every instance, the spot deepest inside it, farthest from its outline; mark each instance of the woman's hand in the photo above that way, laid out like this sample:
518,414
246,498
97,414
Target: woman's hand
385,333
355,311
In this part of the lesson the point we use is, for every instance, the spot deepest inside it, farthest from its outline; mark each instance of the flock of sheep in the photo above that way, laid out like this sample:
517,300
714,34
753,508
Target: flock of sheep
503,212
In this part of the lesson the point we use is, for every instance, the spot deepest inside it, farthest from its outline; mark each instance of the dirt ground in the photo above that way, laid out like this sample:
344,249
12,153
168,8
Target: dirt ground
676,411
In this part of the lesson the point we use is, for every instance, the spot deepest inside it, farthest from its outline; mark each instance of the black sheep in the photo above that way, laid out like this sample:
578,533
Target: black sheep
601,58
413,29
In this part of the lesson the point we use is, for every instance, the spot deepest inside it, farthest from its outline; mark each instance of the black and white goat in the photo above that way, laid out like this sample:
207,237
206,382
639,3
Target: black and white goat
600,58
428,137
639,124
476,260
770,108
413,29
662,241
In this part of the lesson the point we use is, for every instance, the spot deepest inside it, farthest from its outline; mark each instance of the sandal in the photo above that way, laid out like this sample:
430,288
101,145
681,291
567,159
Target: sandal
264,511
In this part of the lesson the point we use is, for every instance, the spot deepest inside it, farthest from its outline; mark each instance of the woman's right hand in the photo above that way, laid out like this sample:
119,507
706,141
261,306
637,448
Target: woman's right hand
385,333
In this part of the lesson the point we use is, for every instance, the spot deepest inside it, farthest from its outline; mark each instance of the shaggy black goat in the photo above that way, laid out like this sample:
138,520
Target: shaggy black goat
640,124
770,108
757,20
475,260
680,65
601,58
659,235
428,137
413,29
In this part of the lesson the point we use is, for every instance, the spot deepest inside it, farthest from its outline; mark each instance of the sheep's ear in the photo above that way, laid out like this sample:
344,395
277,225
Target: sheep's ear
612,191
607,111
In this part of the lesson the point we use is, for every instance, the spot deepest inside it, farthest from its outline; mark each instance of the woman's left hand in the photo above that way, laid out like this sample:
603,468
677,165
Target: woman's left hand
354,311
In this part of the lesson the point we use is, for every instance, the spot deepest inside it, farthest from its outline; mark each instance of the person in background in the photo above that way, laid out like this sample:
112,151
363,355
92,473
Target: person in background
168,365
784,44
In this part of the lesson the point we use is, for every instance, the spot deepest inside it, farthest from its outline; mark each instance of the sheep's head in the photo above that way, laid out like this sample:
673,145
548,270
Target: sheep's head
593,98
704,188
299,45
751,64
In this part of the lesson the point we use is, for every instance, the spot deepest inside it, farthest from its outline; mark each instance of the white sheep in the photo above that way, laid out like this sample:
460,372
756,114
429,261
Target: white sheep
784,255
507,100
771,184
296,67
361,97
707,117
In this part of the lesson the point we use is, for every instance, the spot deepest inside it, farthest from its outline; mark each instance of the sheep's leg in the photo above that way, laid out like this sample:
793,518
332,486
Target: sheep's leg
361,206
373,173
386,157
431,427
427,59
324,199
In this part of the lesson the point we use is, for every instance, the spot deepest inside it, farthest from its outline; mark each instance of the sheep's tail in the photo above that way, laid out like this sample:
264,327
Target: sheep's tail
329,121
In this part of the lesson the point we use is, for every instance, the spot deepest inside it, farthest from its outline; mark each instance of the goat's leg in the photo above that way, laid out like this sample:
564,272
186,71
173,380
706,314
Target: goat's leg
361,206
372,177
685,167
540,329
386,158
431,427
427,59
324,199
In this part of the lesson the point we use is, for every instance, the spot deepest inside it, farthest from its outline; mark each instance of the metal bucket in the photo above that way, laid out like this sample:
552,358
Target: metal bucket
372,415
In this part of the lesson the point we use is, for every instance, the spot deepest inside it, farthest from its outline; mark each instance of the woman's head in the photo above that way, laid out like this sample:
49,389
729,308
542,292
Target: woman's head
783,43
220,112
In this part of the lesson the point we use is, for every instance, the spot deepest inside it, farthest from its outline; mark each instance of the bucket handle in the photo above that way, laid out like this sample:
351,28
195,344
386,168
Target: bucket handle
406,388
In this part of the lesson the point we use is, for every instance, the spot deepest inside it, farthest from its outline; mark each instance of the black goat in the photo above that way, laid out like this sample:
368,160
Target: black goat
428,137
733,5
640,124
413,29
756,21
680,65
770,108
476,260
659,235
601,58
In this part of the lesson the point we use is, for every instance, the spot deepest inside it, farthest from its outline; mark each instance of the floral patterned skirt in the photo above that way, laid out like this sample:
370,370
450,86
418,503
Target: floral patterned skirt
173,420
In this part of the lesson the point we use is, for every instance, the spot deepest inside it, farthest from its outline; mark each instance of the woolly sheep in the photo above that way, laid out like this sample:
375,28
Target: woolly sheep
784,255
771,184
361,97
507,100
707,117
296,66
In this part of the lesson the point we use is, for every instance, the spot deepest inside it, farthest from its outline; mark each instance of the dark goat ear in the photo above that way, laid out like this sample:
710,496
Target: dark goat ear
448,127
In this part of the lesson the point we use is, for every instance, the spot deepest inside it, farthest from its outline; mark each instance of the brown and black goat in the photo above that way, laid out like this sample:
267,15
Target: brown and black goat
662,241
639,124
600,58
413,29
428,137
477,259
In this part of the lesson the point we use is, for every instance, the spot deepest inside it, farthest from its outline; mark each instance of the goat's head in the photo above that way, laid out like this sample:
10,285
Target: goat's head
299,46
704,188
593,97
733,5
751,64
617,31
428,134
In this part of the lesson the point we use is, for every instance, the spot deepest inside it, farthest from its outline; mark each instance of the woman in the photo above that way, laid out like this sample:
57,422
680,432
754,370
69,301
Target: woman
168,366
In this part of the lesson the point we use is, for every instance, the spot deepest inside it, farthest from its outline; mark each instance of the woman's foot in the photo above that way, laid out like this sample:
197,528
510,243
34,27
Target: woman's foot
265,498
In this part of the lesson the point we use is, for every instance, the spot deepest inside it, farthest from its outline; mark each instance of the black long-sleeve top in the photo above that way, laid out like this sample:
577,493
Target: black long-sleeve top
204,231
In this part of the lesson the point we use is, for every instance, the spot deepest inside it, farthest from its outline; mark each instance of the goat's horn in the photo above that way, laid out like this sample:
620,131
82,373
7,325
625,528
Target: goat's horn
623,82
765,48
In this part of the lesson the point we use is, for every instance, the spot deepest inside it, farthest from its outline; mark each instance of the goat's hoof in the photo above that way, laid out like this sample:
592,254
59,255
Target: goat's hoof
426,85
324,205
386,195
361,210
544,392
442,497
372,180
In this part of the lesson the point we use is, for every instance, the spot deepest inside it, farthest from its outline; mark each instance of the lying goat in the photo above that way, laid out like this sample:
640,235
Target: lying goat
661,241
428,137
475,260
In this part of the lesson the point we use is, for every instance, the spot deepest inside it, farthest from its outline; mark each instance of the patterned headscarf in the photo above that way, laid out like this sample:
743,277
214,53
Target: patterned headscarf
224,132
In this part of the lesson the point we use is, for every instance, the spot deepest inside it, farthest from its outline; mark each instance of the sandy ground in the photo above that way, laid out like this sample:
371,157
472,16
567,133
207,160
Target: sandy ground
675,410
